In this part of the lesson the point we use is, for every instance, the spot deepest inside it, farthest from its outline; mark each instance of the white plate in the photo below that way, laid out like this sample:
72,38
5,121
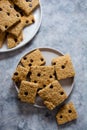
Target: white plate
67,84
28,32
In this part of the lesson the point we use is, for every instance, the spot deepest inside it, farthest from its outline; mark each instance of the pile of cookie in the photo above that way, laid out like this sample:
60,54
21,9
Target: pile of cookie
14,16
33,78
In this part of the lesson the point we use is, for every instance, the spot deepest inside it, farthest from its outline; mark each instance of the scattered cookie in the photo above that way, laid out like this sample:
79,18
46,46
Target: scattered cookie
63,67
27,6
53,95
8,15
43,75
27,92
25,21
66,113
20,74
33,58
2,38
12,41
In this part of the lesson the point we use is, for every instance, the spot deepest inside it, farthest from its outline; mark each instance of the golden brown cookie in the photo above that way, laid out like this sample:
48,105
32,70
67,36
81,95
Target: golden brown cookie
8,15
66,113
27,91
53,95
20,74
12,41
25,21
63,67
33,58
43,75
27,6
2,38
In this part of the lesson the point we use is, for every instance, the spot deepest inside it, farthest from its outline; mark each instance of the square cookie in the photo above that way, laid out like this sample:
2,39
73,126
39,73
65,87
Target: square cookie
63,67
12,41
32,59
20,74
27,6
66,113
8,15
25,21
27,92
2,38
43,75
53,95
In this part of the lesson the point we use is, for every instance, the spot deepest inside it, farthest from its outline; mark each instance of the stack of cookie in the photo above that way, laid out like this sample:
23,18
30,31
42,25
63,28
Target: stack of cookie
14,16
33,78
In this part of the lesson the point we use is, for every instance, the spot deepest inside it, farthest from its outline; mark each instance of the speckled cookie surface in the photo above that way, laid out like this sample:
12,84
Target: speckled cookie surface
8,15
43,75
20,74
2,38
66,113
53,95
33,58
27,92
12,41
27,5
25,21
63,67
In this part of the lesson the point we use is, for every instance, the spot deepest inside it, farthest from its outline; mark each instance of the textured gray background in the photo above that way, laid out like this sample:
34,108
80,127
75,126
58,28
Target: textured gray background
64,27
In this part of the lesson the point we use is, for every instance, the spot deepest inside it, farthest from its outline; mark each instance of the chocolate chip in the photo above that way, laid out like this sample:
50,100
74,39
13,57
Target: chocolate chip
51,86
61,116
16,73
0,9
61,93
26,93
8,13
38,74
62,66
69,111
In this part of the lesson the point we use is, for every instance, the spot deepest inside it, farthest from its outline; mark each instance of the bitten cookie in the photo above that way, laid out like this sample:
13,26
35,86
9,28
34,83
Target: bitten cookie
20,74
66,113
2,38
53,95
43,75
25,21
27,91
27,6
63,67
12,41
33,58
8,15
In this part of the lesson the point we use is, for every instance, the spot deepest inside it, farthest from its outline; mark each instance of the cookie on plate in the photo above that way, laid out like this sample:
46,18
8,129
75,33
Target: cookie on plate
66,113
32,59
12,41
63,67
2,38
27,91
53,95
25,21
27,6
20,74
8,15
43,75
